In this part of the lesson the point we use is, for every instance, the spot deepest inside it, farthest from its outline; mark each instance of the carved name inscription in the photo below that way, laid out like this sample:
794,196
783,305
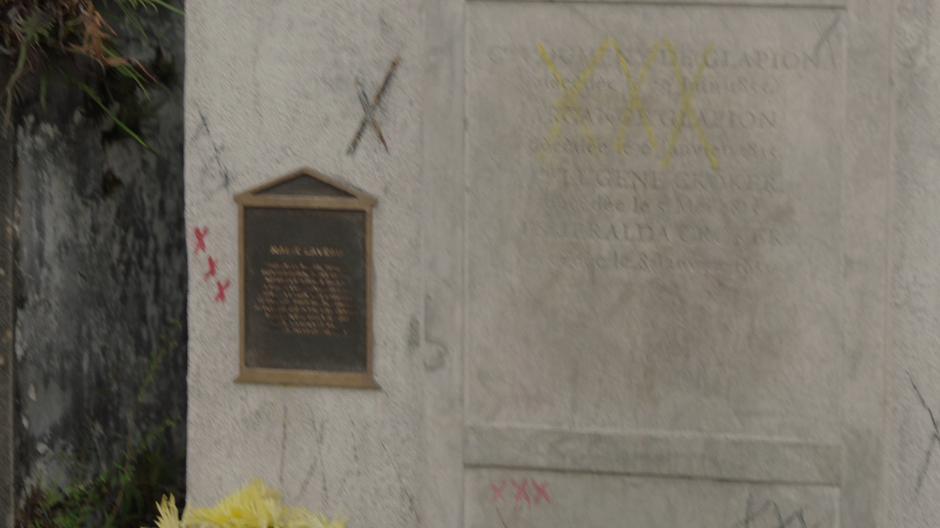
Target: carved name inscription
654,217
659,158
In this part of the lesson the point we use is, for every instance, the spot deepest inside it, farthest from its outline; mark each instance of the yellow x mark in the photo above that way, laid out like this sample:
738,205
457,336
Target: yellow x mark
636,102
688,111
569,103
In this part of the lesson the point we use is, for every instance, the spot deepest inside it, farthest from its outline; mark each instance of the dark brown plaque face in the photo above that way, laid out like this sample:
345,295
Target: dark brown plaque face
305,290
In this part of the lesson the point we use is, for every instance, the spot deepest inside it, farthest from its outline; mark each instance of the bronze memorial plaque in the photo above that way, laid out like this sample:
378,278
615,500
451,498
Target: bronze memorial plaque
306,281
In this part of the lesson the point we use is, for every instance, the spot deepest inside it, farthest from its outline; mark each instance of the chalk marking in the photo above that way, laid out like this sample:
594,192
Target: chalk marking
522,492
790,521
200,239
687,109
570,99
570,103
541,492
222,287
497,491
213,266
636,102
934,435
369,109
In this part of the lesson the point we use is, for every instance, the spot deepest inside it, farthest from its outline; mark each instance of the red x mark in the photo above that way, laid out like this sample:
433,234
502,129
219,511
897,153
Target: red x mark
220,297
498,490
522,492
200,239
212,269
541,492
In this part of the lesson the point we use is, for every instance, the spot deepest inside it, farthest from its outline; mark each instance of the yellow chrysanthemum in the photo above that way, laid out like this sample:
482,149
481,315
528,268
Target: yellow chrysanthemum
255,506
168,515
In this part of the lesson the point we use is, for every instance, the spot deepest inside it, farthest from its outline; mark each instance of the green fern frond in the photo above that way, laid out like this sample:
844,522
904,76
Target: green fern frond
90,92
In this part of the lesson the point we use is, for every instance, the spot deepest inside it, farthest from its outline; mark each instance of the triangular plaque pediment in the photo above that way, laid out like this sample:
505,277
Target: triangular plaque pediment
308,183
304,185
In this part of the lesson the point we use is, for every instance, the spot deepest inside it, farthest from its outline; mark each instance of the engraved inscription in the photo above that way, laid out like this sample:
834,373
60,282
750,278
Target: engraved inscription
305,289
654,218
655,162
312,299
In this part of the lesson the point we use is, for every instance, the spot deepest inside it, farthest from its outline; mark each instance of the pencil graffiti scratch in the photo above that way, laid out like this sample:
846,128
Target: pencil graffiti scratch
934,433
757,517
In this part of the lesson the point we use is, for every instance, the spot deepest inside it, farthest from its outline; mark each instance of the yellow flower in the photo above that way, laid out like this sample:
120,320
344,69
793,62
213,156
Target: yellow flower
168,515
255,506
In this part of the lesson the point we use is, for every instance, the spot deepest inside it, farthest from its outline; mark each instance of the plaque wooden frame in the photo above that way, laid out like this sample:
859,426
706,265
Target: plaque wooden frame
357,200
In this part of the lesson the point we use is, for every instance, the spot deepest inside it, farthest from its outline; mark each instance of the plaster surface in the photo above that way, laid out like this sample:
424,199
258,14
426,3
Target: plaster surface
654,218
742,366
913,368
533,498
271,87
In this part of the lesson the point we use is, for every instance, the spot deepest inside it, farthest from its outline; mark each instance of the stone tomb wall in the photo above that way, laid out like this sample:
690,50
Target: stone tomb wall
630,258
654,253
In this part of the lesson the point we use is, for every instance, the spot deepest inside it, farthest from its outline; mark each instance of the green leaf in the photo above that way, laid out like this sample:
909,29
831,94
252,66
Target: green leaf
123,126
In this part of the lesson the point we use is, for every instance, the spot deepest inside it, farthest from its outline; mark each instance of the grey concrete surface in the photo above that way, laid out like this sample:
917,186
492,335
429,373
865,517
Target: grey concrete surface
681,272
272,86
535,498
912,369
687,331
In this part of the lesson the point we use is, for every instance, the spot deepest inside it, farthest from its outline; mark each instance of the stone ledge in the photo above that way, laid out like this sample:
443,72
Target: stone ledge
680,455
843,4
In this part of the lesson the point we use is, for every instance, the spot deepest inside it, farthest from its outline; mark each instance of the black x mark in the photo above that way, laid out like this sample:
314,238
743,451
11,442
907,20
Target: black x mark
369,108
